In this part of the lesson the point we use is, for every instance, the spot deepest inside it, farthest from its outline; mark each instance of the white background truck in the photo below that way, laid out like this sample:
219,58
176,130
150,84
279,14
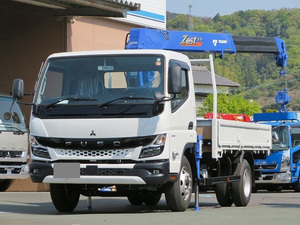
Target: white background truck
123,123
13,142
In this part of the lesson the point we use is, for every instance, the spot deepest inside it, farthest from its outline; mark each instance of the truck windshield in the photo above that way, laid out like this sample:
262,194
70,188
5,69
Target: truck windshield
280,138
96,80
11,116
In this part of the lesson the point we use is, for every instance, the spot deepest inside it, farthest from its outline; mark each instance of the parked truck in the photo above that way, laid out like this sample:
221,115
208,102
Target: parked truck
123,123
281,169
13,142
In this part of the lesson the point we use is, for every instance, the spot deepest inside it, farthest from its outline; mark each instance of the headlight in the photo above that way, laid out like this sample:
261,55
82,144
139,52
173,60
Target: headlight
285,163
155,148
38,150
283,177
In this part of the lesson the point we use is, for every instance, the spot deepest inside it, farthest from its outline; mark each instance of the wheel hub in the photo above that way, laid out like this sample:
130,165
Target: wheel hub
185,183
247,183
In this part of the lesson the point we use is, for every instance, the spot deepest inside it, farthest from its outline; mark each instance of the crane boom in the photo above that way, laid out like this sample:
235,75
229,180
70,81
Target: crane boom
187,41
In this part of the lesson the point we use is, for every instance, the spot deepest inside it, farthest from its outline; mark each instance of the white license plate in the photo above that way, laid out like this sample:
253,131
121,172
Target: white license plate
66,170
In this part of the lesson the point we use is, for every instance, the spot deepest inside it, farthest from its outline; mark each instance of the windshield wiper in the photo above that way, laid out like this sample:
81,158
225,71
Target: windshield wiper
123,98
9,126
76,98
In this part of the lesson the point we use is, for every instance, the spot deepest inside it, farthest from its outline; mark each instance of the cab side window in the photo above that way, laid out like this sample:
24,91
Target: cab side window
181,98
295,136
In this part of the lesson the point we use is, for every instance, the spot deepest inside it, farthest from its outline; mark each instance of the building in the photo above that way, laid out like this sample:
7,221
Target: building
203,84
30,30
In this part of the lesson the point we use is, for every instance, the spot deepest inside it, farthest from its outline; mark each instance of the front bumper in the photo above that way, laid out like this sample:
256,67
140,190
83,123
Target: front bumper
106,174
274,178
14,171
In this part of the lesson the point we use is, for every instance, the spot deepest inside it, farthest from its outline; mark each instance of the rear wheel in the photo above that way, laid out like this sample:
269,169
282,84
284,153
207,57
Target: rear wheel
178,194
223,194
241,191
4,184
65,197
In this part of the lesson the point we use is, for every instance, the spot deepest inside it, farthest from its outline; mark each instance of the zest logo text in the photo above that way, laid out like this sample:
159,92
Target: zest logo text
191,41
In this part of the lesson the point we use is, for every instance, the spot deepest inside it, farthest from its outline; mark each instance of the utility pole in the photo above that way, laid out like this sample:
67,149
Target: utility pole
190,22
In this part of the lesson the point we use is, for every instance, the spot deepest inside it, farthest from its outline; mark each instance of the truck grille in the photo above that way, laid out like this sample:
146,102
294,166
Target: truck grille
105,172
265,167
95,154
11,154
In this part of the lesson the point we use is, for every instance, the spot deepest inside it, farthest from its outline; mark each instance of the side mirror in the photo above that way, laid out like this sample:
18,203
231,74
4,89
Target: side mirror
175,79
275,137
18,89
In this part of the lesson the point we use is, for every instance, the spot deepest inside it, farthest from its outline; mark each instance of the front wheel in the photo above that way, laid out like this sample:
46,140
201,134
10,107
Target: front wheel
4,184
135,198
296,185
65,197
178,194
152,198
241,191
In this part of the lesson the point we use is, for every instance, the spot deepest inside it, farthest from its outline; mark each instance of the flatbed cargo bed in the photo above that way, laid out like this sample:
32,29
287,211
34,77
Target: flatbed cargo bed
221,135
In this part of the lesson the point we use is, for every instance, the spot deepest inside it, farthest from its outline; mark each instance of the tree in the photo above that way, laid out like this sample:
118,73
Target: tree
230,104
253,70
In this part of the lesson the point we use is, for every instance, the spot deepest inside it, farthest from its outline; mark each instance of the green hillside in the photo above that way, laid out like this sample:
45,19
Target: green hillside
257,73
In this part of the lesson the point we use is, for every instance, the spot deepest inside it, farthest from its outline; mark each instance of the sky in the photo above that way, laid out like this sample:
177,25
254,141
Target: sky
209,8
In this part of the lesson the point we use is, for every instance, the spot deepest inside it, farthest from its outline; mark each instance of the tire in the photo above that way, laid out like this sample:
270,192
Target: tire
278,188
152,198
135,199
223,194
178,194
4,184
270,188
65,197
296,185
254,189
241,191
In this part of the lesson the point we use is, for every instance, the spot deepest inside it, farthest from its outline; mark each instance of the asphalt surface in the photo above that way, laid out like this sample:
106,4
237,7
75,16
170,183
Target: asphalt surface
35,208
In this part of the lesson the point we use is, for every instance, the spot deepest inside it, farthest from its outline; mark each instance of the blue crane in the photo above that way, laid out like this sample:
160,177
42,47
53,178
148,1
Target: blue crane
218,43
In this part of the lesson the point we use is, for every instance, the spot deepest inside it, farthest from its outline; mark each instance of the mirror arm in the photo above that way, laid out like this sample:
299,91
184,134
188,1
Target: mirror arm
161,98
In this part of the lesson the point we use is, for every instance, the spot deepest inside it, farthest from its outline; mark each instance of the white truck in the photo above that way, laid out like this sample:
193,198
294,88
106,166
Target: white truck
13,142
123,123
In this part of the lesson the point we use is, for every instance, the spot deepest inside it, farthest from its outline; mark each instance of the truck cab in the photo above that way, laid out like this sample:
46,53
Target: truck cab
281,168
13,142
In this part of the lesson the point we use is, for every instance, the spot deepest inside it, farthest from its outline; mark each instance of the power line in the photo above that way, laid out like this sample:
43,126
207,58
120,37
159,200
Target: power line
263,85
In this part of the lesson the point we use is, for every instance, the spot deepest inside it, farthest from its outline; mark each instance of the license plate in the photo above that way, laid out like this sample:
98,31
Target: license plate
66,170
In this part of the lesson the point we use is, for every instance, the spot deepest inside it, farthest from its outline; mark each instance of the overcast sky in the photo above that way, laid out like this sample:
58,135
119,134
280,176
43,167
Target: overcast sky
209,8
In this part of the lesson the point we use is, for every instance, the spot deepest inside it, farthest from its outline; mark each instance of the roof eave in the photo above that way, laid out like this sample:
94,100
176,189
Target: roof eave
105,8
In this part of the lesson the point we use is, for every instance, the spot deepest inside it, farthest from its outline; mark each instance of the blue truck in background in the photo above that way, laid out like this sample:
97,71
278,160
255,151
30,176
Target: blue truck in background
281,168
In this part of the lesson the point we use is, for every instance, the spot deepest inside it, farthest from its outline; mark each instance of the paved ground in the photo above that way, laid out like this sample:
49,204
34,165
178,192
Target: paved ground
35,208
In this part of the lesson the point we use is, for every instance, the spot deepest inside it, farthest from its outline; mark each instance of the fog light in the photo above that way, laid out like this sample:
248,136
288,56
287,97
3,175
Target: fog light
155,171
